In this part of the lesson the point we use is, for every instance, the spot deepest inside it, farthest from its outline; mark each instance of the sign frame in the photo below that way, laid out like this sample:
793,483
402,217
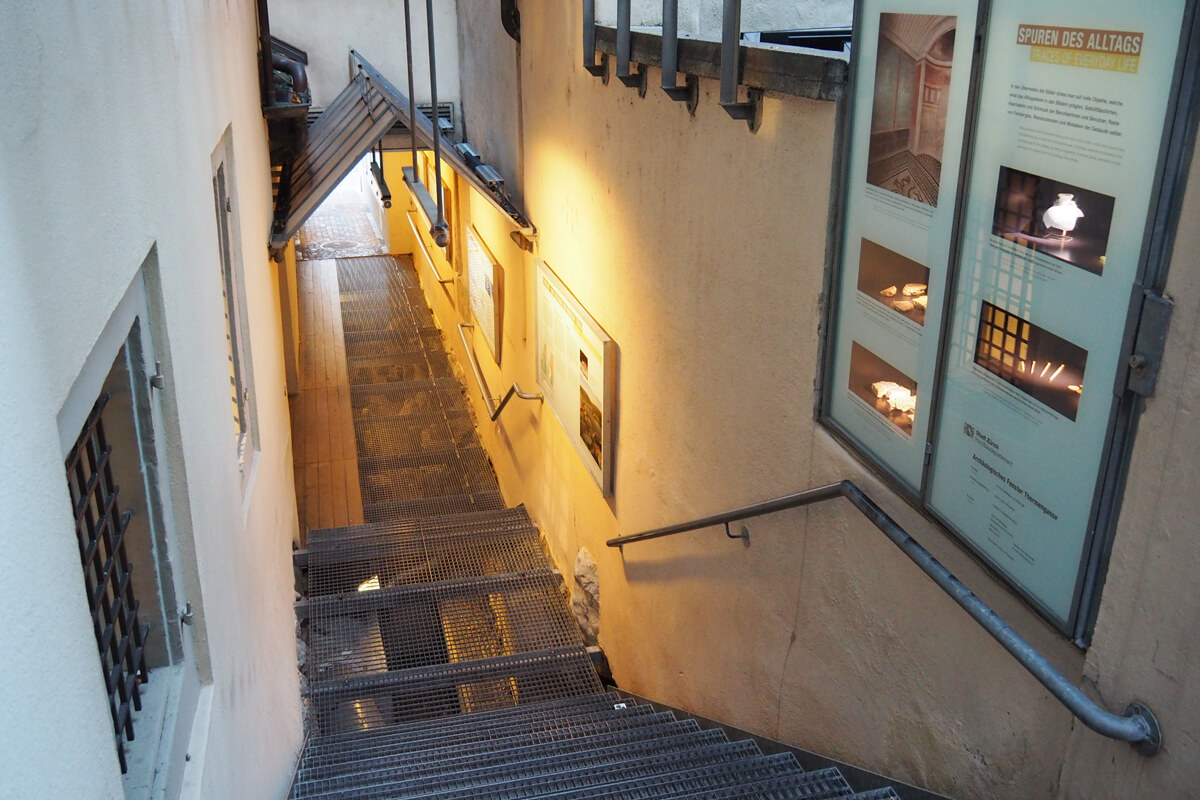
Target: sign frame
570,349
485,285
1165,188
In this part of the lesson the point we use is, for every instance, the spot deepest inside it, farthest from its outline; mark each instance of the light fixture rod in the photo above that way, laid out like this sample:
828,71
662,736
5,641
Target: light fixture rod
440,231
412,101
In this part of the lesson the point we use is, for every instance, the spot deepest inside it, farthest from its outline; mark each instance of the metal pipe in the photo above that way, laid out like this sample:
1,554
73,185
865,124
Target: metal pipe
440,231
745,512
412,97
1138,725
294,68
493,408
670,44
624,37
731,34
589,38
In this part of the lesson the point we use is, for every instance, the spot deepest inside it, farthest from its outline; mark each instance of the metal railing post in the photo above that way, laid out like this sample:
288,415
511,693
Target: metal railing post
440,230
731,48
589,40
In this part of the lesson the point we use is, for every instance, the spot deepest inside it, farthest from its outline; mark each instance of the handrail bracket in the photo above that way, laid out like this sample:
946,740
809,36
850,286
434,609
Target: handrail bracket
494,405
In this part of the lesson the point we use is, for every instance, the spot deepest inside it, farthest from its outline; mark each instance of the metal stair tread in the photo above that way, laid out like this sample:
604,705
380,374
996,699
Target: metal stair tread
544,710
704,778
815,785
557,778
430,751
478,669
604,748
441,504
358,751
517,515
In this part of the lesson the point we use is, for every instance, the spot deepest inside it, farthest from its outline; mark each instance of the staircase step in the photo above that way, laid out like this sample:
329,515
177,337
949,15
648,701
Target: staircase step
376,343
401,627
822,784
446,504
468,769
397,368
532,712
422,475
385,319
341,560
418,753
366,746
414,433
391,400
560,777
372,700
694,781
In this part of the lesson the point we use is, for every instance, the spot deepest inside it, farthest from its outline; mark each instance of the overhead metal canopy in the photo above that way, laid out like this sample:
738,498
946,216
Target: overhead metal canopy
344,133
422,128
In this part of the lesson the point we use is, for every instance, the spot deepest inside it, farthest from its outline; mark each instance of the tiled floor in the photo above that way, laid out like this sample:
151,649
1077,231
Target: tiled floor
340,228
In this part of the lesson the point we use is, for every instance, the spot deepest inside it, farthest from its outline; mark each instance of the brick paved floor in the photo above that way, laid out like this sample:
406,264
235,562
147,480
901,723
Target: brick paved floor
340,228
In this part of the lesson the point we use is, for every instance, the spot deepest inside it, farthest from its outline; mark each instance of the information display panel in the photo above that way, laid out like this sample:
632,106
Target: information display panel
910,107
576,370
485,281
1073,101
977,343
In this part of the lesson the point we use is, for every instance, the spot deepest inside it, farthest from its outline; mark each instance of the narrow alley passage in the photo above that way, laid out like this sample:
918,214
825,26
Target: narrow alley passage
439,656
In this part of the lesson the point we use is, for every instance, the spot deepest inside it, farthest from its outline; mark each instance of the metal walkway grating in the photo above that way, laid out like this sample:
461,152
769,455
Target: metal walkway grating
442,661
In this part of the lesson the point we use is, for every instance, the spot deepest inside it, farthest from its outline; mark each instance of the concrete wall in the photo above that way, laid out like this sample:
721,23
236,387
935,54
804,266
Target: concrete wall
112,117
702,18
700,248
327,32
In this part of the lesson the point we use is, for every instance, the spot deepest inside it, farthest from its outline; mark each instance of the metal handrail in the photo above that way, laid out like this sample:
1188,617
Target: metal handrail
494,406
1138,725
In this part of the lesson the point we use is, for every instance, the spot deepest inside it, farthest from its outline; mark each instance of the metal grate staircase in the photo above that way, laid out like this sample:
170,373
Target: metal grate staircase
442,661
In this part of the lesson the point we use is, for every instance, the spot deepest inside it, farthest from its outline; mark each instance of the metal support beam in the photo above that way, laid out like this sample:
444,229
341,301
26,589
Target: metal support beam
634,80
690,91
589,42
731,47
440,231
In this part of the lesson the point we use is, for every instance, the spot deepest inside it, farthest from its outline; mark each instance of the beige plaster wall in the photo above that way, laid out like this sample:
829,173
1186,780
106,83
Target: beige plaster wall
328,31
700,248
702,18
1147,641
112,117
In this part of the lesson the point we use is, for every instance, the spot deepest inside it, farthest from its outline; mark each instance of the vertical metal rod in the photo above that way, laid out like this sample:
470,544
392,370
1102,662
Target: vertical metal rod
624,37
670,44
412,97
731,33
439,231
589,36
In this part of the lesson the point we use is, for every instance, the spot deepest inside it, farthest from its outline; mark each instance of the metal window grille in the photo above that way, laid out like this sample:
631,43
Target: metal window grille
239,393
100,527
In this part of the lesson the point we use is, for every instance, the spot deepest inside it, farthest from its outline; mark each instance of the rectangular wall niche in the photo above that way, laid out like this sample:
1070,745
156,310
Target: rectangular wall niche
976,334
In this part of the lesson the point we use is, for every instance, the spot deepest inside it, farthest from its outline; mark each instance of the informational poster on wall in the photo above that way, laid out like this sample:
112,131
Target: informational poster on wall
910,105
576,370
1072,110
485,282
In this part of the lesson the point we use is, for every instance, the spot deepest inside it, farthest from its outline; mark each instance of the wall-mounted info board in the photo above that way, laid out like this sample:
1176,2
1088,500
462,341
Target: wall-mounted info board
980,334
576,370
485,284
